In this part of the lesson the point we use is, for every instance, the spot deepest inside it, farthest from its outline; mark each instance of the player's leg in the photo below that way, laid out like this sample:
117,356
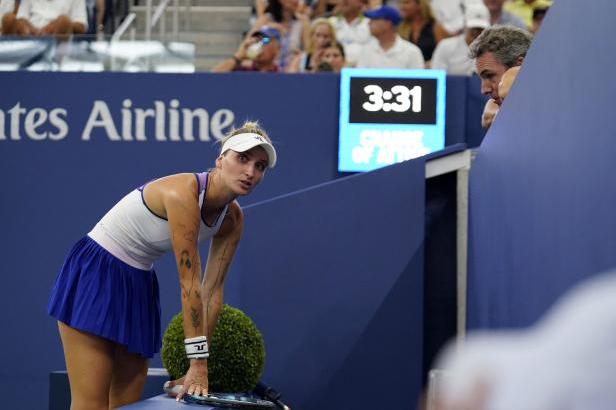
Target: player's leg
129,374
89,362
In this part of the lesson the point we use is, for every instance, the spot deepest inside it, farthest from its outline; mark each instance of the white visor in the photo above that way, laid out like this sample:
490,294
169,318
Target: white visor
246,141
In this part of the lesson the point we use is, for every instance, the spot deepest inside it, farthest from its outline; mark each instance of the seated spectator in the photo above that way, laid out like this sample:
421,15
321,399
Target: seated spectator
322,34
419,27
452,54
538,15
333,58
495,50
258,52
387,49
289,17
450,14
8,13
500,16
525,8
351,27
57,18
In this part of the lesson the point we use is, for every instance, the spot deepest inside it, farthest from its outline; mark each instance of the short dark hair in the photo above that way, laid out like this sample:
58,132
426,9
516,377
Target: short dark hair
507,43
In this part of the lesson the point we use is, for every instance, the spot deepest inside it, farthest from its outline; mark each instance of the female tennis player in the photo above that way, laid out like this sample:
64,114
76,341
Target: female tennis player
106,296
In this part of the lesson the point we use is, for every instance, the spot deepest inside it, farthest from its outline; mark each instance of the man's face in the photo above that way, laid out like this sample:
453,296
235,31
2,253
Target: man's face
490,71
379,26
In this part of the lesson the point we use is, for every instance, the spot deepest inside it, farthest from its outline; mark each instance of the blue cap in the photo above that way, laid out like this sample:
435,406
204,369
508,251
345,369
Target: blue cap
267,31
385,13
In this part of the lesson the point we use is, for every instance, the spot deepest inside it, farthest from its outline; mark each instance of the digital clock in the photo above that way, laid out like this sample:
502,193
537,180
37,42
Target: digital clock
388,116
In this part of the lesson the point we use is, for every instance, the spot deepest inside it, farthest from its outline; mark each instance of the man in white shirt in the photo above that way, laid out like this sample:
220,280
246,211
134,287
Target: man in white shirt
452,54
387,49
351,27
51,18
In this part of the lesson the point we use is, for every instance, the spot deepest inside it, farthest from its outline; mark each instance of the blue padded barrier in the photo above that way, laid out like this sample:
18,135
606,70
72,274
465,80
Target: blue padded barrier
332,275
542,198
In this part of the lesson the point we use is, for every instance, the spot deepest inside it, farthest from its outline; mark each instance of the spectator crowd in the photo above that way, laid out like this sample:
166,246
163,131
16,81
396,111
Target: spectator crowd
412,34
307,36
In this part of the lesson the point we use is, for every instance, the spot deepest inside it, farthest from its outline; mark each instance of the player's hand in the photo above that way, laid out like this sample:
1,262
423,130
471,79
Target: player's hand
172,387
195,381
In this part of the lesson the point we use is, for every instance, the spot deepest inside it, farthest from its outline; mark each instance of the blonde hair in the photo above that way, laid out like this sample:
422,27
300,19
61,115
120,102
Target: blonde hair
319,22
426,10
247,127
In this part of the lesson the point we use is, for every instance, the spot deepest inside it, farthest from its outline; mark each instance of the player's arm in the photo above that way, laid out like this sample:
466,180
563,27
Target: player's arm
178,196
222,251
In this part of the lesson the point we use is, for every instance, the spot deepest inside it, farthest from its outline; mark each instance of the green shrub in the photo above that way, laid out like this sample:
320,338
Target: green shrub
237,352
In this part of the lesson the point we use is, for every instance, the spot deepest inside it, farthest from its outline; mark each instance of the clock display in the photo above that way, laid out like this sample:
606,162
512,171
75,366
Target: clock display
393,101
388,116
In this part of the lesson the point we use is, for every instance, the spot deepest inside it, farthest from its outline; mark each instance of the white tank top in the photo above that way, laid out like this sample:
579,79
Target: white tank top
134,234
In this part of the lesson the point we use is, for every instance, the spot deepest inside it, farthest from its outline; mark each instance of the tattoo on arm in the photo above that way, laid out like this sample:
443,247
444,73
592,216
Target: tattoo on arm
185,259
225,261
223,268
191,265
195,316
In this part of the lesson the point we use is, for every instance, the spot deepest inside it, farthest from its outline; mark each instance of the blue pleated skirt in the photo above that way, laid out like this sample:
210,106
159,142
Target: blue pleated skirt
97,293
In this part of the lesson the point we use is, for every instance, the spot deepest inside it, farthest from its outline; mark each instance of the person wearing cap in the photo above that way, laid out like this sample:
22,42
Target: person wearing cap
387,49
258,52
105,297
452,54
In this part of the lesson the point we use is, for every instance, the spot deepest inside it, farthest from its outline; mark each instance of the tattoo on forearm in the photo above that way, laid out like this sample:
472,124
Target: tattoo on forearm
185,259
223,268
195,316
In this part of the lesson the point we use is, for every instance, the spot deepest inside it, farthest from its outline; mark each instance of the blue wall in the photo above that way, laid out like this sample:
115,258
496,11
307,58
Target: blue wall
333,277
542,187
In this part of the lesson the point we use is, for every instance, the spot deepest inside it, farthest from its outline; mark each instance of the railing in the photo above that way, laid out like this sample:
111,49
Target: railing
123,27
152,19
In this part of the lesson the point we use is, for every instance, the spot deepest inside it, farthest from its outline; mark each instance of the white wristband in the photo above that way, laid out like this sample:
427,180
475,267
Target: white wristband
196,348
